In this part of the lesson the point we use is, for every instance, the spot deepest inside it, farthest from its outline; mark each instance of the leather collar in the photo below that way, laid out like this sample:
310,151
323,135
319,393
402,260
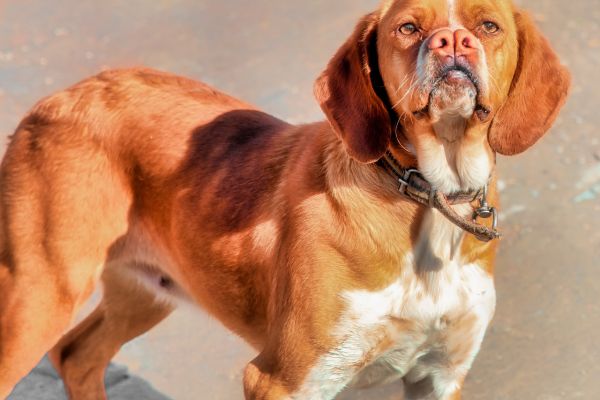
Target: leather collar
414,186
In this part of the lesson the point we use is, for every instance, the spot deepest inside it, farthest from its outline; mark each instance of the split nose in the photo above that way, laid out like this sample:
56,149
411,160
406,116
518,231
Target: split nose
452,45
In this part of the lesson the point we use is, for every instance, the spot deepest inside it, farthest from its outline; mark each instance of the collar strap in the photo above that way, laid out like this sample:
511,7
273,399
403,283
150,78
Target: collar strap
414,186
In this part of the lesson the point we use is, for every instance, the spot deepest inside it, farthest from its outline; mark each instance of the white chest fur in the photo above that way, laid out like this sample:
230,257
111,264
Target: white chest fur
428,323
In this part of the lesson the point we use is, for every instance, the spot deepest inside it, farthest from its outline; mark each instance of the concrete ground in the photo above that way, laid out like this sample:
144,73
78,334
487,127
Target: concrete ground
543,344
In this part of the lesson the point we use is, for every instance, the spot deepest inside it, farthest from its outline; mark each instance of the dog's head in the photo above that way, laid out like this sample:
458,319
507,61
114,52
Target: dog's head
460,79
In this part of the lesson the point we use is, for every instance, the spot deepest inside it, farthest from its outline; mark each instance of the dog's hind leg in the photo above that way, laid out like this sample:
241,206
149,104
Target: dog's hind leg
60,214
127,310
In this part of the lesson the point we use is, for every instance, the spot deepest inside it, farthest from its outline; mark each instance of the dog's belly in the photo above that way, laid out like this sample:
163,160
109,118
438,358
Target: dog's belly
419,327
142,259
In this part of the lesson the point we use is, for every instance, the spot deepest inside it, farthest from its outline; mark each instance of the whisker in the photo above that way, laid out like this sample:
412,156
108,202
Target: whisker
413,84
401,84
494,82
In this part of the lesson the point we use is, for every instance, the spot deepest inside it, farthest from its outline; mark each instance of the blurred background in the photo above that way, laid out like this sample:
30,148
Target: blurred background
543,343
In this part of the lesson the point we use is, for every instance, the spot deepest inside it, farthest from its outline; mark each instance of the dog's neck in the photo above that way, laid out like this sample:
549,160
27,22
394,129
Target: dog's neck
462,160
372,201
450,128
393,226
451,152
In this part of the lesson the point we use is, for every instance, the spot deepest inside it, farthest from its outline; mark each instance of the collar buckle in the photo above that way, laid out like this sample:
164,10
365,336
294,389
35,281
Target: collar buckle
485,211
405,179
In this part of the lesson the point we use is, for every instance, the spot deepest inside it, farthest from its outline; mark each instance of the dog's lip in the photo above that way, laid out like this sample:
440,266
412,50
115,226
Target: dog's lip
455,75
482,112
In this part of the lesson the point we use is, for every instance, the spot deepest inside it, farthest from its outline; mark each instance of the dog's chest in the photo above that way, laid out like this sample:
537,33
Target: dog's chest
429,321
419,325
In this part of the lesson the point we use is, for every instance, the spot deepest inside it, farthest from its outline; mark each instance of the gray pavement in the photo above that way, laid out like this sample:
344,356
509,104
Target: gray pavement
543,342
43,383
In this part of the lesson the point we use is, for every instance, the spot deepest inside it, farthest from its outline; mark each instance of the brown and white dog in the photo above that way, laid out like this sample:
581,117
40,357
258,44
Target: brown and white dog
295,237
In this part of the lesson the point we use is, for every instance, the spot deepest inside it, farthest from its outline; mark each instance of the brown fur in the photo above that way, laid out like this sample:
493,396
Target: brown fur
138,174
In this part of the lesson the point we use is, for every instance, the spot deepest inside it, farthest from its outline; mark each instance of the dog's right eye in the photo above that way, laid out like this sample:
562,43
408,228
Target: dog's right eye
407,29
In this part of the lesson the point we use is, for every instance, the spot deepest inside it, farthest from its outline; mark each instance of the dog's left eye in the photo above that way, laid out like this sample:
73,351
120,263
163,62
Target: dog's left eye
490,27
407,29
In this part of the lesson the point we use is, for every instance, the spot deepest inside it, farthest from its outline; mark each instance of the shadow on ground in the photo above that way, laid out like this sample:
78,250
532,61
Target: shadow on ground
43,383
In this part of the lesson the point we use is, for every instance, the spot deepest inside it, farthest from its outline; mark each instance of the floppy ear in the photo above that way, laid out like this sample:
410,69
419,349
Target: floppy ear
538,91
345,91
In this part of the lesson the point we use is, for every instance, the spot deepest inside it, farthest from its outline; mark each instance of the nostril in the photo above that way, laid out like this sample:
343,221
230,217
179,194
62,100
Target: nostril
441,41
466,42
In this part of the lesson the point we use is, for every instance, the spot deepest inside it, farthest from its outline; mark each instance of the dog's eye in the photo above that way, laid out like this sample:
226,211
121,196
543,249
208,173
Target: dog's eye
407,29
490,27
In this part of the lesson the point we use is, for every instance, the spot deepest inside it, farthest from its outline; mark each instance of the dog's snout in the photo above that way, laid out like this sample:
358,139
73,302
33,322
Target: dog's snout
450,46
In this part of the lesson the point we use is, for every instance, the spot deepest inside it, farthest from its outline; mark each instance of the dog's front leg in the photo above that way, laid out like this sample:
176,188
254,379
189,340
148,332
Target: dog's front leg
296,364
263,382
260,383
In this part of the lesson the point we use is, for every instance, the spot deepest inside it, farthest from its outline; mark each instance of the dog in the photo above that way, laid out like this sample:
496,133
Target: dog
349,252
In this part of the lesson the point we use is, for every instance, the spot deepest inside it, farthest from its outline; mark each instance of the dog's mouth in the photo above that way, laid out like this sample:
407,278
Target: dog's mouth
458,75
454,87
